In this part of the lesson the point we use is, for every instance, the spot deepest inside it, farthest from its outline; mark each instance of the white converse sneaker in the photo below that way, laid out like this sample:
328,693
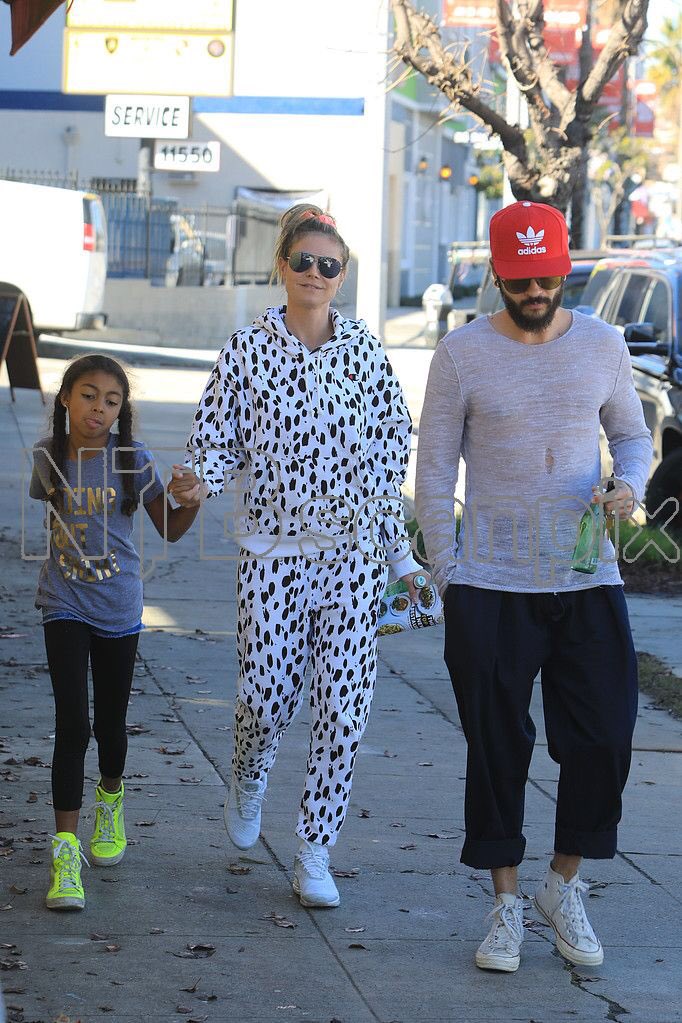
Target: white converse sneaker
312,882
501,949
243,810
560,903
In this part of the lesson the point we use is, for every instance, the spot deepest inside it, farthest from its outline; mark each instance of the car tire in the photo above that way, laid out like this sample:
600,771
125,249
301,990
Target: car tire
665,483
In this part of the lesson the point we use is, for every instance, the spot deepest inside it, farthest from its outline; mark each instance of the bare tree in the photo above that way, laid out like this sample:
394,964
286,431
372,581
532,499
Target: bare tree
548,163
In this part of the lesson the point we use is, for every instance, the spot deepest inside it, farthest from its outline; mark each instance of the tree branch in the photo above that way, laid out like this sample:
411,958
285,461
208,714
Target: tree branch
624,40
418,43
533,15
514,54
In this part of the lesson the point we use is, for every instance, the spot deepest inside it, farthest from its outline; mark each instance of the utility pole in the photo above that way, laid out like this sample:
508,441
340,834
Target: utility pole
144,168
144,190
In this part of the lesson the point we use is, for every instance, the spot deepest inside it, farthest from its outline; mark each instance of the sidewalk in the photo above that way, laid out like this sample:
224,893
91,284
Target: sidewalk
186,928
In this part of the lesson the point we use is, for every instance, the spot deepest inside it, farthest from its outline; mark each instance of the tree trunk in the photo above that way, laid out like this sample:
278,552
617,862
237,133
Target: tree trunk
578,205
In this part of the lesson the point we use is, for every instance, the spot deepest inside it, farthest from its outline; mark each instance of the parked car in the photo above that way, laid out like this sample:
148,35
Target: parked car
55,251
215,257
641,293
197,257
468,262
185,265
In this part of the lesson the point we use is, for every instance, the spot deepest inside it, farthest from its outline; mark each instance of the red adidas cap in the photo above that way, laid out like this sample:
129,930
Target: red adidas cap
529,239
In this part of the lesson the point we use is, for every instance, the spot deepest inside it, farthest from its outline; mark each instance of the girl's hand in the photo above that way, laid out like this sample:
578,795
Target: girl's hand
185,487
422,576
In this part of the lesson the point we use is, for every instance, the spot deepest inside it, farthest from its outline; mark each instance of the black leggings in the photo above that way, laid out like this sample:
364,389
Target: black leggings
69,646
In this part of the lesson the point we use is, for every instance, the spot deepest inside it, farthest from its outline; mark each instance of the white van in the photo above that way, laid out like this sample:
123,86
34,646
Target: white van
53,246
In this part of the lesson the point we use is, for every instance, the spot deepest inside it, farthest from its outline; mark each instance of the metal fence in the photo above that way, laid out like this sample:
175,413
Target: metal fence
168,243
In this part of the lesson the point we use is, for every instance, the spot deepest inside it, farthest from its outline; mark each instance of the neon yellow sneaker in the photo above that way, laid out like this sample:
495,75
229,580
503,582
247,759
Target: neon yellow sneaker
108,842
66,890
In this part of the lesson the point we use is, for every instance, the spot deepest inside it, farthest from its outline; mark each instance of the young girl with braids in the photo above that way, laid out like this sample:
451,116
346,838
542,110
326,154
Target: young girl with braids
90,594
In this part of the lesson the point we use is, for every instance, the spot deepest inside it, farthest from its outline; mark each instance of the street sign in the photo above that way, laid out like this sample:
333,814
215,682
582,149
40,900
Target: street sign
146,117
149,62
184,156
173,15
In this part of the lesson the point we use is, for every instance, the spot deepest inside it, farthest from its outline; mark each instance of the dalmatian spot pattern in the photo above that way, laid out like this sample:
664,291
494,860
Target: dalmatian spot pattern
317,441
299,615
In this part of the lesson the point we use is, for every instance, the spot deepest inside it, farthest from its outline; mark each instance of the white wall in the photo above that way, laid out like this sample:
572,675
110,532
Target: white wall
186,317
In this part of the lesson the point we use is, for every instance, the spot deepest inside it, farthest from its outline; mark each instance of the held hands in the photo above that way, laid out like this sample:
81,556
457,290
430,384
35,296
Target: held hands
415,581
186,488
619,501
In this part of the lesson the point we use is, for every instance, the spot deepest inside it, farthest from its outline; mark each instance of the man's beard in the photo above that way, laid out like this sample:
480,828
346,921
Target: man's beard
532,323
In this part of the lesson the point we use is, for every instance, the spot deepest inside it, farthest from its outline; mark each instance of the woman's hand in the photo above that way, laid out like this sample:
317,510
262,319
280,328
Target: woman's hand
185,487
416,581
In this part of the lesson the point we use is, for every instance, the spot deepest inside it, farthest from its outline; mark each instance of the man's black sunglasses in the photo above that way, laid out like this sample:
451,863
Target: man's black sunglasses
327,265
518,285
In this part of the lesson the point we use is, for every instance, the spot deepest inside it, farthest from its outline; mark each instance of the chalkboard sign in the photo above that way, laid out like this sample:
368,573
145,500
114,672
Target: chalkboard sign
17,340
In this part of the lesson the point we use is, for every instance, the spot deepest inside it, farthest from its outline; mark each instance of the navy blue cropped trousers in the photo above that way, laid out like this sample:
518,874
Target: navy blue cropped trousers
580,642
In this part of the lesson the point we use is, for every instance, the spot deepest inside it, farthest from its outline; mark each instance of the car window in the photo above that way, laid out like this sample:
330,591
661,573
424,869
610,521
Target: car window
657,310
489,298
596,288
573,289
631,299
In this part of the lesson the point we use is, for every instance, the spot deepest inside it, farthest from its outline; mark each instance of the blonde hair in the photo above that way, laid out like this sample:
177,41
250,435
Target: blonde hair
298,221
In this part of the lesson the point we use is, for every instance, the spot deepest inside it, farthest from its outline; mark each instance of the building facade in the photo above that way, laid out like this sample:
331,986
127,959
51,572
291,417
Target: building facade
310,112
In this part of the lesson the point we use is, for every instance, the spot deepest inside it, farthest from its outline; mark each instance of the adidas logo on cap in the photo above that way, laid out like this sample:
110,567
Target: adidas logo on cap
531,241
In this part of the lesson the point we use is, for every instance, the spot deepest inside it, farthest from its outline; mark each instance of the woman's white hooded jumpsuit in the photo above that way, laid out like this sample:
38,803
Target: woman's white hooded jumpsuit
317,446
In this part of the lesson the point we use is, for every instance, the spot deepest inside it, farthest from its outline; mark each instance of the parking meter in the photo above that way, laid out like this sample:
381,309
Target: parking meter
437,303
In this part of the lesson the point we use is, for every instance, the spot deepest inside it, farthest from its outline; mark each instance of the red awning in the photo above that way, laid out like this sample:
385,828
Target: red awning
27,17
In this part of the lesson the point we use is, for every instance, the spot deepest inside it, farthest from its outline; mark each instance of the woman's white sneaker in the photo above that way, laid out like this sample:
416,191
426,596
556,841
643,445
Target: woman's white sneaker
243,811
560,903
501,949
312,882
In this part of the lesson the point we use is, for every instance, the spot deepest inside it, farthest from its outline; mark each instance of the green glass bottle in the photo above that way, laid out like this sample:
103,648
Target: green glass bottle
590,534
586,553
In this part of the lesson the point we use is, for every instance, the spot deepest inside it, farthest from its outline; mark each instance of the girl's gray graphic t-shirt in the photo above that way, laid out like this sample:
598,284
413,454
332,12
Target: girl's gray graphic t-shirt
93,570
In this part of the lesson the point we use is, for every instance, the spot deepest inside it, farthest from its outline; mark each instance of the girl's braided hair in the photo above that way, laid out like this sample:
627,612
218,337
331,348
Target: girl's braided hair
60,441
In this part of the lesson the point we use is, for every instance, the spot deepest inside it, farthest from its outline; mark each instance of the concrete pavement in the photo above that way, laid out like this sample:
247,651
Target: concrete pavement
187,928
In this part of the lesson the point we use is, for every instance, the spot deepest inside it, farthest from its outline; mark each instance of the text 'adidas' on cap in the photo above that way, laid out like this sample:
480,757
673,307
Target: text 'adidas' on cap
529,239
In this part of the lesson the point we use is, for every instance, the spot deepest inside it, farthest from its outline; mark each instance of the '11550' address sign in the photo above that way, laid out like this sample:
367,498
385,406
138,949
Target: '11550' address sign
184,156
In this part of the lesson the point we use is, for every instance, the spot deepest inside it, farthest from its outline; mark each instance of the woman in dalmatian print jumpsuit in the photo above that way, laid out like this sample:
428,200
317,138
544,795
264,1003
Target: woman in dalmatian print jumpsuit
302,410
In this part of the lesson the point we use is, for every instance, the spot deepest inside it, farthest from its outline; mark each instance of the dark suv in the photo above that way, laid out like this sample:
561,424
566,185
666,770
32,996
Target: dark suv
641,293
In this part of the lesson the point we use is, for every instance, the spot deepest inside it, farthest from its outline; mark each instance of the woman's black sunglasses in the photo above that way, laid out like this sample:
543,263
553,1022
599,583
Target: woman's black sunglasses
327,265
518,285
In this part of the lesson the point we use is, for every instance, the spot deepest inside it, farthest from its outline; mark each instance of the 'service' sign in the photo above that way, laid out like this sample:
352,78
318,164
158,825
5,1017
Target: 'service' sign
146,117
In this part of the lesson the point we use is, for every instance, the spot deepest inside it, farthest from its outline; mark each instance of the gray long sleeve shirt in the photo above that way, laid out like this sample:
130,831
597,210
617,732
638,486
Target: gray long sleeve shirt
525,419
